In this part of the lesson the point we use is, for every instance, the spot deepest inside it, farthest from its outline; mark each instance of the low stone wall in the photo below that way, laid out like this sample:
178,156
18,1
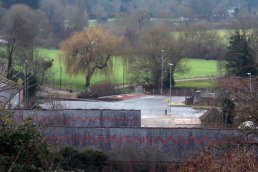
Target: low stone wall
174,145
81,118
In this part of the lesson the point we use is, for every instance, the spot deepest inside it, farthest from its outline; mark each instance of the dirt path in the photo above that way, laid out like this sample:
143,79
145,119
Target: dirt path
196,79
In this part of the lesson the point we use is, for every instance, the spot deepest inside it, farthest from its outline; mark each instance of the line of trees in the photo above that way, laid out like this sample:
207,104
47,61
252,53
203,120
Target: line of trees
25,28
56,20
142,41
104,9
20,27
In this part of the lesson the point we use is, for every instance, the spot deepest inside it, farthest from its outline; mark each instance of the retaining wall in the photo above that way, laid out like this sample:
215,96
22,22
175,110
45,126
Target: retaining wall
82,118
175,144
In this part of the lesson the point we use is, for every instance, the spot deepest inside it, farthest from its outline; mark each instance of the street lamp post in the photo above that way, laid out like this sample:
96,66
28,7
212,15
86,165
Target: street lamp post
53,81
250,86
25,84
60,80
170,84
123,75
162,59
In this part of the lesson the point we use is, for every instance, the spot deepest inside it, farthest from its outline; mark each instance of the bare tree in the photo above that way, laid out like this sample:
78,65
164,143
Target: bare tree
239,151
148,56
200,42
244,21
2,12
62,20
128,25
243,92
20,29
236,159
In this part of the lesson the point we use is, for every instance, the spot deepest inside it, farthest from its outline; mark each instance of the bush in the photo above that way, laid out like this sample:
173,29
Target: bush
99,90
71,159
23,149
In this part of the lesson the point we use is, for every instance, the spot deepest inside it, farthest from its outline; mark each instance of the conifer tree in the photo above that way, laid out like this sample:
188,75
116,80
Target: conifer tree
240,56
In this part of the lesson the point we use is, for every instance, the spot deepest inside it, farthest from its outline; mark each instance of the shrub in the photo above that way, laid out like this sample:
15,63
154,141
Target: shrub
23,149
99,90
71,159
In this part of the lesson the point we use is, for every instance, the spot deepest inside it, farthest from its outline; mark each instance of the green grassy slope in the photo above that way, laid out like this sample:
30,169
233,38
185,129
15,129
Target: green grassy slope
197,68
78,81
196,84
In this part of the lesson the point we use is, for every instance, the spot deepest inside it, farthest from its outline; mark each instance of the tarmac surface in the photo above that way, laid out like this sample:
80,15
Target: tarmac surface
152,110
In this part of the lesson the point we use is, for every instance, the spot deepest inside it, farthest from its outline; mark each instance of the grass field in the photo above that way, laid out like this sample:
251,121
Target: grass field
78,81
197,69
196,84
93,23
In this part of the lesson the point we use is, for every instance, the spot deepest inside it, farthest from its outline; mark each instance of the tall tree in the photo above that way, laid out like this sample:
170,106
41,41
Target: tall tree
20,29
2,13
88,50
240,56
62,20
151,41
199,42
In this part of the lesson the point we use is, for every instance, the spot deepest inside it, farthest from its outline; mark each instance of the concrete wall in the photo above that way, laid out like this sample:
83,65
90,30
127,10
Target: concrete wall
15,101
118,133
82,118
175,144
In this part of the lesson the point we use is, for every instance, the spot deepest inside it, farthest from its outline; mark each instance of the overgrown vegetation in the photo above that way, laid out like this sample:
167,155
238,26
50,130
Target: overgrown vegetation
99,90
88,160
22,148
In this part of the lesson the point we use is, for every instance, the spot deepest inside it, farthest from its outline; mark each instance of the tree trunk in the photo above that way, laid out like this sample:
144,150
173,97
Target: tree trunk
88,78
88,82
9,67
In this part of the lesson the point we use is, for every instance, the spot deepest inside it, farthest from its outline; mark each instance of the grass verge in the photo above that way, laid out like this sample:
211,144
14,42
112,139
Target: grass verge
200,84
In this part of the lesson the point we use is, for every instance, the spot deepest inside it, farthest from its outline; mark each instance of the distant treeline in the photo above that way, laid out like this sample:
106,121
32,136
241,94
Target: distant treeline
9,3
104,9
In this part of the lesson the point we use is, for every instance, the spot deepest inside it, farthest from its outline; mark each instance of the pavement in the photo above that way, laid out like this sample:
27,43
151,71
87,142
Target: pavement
152,110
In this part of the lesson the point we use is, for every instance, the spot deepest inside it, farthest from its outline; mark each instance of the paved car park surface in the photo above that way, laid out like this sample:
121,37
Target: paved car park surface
152,110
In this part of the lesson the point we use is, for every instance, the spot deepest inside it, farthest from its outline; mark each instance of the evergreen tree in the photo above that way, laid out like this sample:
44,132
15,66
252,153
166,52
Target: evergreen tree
240,56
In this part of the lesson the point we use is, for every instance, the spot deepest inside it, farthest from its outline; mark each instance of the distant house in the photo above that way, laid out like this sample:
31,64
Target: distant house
11,94
231,12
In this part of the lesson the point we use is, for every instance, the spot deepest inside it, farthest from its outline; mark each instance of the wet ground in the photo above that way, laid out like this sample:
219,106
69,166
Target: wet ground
152,110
